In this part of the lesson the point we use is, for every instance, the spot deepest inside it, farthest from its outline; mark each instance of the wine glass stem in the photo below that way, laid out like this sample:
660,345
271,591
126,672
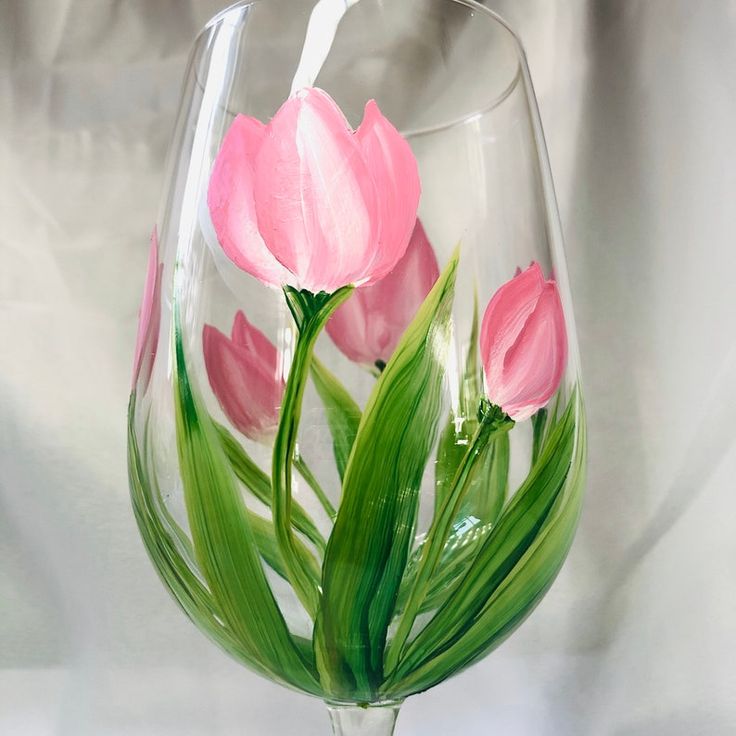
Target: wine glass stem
354,720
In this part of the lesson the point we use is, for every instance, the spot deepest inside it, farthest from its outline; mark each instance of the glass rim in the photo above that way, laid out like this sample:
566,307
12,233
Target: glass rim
473,5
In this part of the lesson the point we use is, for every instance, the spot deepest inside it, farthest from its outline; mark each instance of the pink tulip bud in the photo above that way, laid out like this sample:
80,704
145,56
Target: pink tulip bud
244,375
306,201
523,343
368,326
149,316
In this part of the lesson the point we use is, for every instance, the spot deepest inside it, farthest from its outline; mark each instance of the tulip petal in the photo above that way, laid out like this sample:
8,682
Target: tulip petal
315,199
255,342
524,343
369,325
394,170
231,204
149,316
534,364
244,381
507,312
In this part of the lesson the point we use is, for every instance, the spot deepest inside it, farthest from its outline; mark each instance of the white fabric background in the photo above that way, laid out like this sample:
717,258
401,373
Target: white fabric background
637,637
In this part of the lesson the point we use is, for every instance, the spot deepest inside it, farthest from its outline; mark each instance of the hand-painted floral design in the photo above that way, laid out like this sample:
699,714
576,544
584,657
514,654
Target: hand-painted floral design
369,325
149,317
524,343
243,372
306,201
328,215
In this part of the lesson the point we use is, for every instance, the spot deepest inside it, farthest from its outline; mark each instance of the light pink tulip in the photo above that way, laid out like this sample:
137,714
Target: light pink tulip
149,316
306,201
368,326
523,343
244,375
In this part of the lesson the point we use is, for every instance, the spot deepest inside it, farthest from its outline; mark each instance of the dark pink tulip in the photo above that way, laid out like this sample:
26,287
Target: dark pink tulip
149,316
244,375
306,201
368,326
523,343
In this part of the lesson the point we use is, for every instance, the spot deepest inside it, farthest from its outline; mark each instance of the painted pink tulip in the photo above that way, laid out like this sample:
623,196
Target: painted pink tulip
149,316
307,201
244,375
523,343
368,326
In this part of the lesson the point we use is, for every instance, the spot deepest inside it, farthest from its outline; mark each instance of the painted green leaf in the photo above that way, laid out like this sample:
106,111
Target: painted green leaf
539,420
311,480
469,531
164,549
172,555
515,566
459,555
460,549
343,414
224,541
494,421
255,480
268,547
367,552
487,489
488,486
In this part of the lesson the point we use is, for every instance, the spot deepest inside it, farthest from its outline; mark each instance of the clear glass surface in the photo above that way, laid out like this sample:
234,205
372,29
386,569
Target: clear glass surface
452,77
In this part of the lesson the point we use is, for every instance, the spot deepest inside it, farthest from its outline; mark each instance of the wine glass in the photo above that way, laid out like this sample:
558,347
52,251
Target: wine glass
356,429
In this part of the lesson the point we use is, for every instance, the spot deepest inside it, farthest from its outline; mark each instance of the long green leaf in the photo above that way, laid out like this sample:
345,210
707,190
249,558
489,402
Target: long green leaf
460,550
487,487
367,552
343,414
493,422
311,480
517,563
175,571
539,420
172,555
224,542
268,547
517,596
263,532
469,530
255,480
496,466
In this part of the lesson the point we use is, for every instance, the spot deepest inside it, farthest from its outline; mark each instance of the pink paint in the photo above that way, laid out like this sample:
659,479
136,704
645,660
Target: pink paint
244,375
232,204
306,201
523,343
368,326
149,317
393,168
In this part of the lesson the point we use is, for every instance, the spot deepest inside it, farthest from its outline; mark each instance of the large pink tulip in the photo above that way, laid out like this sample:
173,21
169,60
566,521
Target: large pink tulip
244,375
368,326
306,201
523,343
149,316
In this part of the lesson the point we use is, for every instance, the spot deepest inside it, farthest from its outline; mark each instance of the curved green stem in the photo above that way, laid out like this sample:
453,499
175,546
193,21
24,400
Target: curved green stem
311,312
492,421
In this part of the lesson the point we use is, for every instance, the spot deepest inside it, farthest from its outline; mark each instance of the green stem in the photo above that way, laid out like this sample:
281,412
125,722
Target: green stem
301,465
538,422
311,312
492,422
